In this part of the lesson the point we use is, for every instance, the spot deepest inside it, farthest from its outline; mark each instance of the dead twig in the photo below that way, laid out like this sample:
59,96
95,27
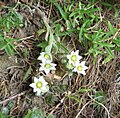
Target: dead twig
61,101
12,97
93,100
25,38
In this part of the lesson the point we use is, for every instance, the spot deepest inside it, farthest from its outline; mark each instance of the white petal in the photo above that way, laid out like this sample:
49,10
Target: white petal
70,62
82,63
42,53
53,68
43,59
38,90
33,85
41,78
45,89
39,58
83,72
35,90
47,71
72,52
36,79
54,64
74,70
43,63
68,56
76,52
41,68
79,57
85,67
45,83
38,93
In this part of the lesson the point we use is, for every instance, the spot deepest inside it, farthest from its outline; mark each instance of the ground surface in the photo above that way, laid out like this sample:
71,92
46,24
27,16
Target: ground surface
16,94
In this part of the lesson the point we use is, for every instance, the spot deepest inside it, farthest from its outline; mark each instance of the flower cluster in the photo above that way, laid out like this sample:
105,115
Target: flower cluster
74,63
40,86
46,65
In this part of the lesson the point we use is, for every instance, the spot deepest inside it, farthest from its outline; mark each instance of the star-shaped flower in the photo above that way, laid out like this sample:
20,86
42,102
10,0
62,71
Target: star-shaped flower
80,68
74,57
47,67
44,56
40,86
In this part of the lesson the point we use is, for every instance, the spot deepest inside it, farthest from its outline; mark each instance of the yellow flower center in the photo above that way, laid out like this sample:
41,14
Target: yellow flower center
39,85
74,58
79,68
47,56
47,66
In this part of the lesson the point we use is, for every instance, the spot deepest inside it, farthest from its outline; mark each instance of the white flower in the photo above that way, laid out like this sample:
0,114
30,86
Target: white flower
80,68
47,67
40,85
74,57
44,56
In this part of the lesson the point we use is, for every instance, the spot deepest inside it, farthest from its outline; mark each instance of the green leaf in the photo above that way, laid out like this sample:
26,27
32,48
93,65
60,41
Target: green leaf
11,20
73,13
57,28
107,59
64,14
43,44
87,36
81,34
105,44
50,99
70,7
3,115
117,49
51,39
19,17
111,28
40,31
7,45
74,98
110,52
35,113
117,41
51,116
55,47
62,47
106,4
99,96
9,50
68,24
28,114
116,12
83,90
82,30
2,44
27,73
25,52
48,48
